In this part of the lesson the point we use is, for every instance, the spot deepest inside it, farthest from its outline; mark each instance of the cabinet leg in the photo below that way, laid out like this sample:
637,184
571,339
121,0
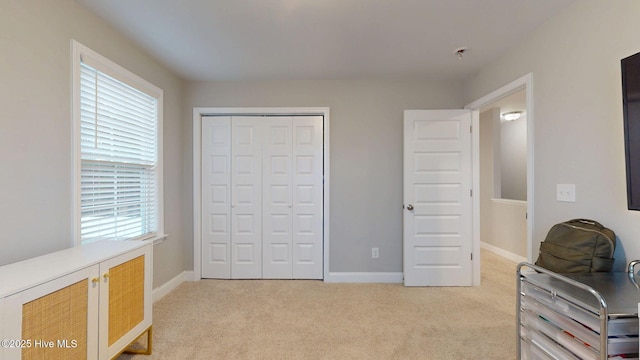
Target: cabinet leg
149,348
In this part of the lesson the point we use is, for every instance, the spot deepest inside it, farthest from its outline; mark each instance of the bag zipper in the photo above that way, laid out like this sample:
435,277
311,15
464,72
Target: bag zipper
597,232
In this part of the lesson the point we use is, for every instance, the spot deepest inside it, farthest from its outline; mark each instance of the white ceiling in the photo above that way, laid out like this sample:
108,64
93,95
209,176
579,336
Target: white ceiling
325,39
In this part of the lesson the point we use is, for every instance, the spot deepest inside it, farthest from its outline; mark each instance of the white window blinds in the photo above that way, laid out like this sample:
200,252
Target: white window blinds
119,156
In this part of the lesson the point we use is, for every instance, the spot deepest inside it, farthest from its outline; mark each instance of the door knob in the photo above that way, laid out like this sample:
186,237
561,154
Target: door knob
409,207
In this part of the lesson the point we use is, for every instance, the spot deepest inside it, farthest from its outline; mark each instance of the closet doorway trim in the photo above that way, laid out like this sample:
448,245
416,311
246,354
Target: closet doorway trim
198,113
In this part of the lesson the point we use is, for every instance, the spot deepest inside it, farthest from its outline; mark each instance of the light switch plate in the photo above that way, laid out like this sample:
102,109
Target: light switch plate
566,192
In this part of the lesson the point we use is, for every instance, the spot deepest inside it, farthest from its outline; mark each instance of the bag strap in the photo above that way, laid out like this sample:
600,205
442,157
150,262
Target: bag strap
588,222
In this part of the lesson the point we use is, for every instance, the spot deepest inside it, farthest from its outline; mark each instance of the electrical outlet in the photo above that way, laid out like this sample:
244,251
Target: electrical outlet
566,192
375,253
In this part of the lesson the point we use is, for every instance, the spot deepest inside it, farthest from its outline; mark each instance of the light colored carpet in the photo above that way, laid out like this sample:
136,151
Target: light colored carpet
273,319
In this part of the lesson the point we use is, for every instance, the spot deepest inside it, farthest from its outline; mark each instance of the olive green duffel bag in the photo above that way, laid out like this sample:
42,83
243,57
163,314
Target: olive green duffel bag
578,246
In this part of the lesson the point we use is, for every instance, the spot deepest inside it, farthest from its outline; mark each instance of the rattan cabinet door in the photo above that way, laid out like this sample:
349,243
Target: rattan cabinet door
125,300
54,320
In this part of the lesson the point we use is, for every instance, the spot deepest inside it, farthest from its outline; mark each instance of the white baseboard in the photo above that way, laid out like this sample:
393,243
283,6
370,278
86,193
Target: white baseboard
502,252
364,277
334,277
189,275
164,289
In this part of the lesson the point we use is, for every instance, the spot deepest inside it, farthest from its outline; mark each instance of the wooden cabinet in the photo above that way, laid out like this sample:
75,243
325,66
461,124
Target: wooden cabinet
125,301
88,302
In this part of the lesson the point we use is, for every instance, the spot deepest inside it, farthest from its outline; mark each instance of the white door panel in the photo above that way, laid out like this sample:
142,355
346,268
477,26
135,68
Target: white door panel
437,185
262,186
216,205
246,197
307,197
277,206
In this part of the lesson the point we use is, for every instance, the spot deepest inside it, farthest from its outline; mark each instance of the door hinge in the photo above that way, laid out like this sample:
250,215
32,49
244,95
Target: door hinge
471,256
471,192
470,129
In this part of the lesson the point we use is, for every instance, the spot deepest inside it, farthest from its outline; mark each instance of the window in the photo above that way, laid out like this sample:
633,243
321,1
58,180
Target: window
118,152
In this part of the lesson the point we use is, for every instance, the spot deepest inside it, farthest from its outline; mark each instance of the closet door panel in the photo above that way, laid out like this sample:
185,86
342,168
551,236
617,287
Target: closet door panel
277,198
262,192
246,197
307,197
216,199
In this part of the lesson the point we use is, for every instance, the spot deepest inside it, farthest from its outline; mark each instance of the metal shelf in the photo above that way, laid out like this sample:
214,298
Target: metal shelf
579,316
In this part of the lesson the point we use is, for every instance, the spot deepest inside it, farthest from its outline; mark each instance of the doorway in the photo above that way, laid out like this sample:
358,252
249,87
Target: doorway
525,84
503,176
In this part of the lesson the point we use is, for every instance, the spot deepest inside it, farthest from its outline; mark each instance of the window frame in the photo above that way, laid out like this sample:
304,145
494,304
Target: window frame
104,65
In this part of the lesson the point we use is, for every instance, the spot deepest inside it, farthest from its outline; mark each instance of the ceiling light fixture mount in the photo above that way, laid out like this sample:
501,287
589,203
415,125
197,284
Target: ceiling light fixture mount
512,115
459,52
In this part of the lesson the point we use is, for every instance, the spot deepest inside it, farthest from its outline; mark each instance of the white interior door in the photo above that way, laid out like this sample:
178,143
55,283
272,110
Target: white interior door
437,197
216,197
246,197
307,197
277,199
262,202
292,207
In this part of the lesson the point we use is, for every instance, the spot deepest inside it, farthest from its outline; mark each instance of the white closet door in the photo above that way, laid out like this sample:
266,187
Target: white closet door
262,212
277,198
246,197
307,197
216,205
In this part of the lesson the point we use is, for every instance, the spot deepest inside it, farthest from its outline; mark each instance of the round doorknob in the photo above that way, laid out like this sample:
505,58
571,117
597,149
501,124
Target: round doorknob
409,207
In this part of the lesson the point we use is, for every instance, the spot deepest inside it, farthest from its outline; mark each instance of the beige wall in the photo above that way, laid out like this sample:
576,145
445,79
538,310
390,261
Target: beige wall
503,223
35,206
366,153
35,128
574,58
578,125
513,159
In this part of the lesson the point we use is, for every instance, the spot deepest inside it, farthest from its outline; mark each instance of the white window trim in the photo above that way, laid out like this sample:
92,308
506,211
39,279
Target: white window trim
78,52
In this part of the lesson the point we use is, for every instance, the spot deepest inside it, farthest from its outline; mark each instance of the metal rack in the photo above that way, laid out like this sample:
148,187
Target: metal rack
577,316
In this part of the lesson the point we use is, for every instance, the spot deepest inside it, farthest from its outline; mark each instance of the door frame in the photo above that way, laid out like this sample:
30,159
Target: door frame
525,82
198,113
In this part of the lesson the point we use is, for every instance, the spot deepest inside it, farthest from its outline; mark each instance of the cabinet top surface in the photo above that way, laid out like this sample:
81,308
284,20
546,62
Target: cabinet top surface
31,272
620,292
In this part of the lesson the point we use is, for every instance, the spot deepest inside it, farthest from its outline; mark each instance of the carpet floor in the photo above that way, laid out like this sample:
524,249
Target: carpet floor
293,319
